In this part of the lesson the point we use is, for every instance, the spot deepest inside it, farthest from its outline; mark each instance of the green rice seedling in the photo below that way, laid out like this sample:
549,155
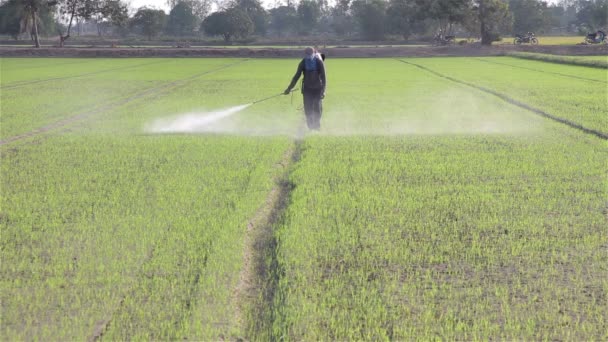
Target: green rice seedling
424,209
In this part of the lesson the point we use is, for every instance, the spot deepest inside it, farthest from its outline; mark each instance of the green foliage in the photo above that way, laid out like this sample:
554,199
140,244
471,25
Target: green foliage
283,20
181,20
447,12
115,12
371,17
151,22
231,23
592,14
309,13
10,18
493,17
200,8
529,15
400,15
256,13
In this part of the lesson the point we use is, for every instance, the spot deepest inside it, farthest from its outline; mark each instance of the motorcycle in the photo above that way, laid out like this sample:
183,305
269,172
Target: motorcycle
528,38
596,37
440,39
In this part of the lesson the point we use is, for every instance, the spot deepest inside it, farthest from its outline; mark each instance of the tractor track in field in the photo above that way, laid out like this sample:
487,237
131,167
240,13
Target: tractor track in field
27,83
258,280
150,91
542,71
515,102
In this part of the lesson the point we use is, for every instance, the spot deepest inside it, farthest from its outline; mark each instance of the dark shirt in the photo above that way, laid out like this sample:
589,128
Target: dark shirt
301,69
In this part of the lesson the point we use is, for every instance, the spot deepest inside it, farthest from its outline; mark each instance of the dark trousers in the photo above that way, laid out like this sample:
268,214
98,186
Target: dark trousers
313,107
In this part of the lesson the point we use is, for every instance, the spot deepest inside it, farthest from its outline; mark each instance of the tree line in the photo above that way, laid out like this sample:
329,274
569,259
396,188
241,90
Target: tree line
351,19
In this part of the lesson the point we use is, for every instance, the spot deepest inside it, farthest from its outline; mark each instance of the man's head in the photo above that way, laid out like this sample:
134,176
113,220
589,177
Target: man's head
309,52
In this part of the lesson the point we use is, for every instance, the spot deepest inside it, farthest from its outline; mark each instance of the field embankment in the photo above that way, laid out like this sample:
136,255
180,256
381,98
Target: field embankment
282,52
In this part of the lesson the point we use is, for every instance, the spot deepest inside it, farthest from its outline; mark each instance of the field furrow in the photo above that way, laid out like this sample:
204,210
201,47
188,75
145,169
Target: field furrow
520,104
593,75
577,101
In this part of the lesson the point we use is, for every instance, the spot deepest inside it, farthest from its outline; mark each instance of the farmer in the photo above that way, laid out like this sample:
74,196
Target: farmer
313,86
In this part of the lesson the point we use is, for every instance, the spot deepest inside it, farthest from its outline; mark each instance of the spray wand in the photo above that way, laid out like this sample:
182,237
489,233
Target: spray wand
272,97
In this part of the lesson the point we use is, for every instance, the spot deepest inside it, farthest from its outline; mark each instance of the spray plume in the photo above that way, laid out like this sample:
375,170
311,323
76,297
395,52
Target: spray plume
192,122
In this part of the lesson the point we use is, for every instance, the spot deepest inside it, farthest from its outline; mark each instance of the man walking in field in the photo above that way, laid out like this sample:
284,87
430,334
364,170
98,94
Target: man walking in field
313,86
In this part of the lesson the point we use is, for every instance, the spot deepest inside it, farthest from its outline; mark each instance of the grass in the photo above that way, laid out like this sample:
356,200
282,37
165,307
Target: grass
588,61
425,209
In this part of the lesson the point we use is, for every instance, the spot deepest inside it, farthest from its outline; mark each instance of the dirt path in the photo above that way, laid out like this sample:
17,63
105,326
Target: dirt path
163,88
254,295
513,101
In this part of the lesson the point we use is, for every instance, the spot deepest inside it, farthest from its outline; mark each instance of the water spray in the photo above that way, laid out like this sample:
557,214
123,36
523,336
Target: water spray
195,122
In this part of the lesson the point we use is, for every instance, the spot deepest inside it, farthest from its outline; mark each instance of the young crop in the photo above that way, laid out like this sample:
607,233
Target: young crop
424,209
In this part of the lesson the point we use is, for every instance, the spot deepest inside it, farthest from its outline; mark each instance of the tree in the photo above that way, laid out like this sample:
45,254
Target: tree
370,15
529,15
29,11
150,21
71,9
401,17
493,17
104,12
283,19
256,12
308,16
200,8
231,23
591,15
112,12
10,19
342,20
448,13
181,20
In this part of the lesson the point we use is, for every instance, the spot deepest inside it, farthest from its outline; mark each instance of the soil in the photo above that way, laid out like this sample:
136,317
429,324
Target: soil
335,52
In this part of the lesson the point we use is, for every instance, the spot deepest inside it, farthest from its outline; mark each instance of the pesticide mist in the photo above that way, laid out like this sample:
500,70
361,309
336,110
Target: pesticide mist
192,122
452,111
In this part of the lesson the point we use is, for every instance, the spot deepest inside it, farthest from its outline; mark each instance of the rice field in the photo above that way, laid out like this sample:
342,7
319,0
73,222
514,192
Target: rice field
434,204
